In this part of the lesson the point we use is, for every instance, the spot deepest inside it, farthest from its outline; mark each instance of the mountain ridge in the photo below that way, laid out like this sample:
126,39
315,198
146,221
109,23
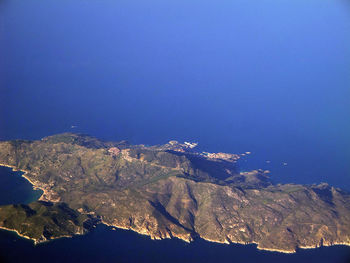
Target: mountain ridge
167,191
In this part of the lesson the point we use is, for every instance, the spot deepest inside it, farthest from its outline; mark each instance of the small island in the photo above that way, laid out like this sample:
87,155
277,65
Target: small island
166,191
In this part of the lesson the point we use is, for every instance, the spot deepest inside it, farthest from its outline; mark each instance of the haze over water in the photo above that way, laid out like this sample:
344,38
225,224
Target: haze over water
270,77
267,76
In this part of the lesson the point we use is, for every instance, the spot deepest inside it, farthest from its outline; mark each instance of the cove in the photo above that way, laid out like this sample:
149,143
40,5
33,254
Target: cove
14,189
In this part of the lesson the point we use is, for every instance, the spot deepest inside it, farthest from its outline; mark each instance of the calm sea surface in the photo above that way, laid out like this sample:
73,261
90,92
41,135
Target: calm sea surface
267,76
14,189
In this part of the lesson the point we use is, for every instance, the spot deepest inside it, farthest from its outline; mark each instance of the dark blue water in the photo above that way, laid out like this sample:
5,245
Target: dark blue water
267,76
106,245
14,189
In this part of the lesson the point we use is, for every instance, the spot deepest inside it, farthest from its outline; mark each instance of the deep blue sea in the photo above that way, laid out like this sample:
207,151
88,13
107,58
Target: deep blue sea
267,76
14,189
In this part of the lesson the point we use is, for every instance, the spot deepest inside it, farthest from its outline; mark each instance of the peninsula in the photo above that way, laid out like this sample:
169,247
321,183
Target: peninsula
167,191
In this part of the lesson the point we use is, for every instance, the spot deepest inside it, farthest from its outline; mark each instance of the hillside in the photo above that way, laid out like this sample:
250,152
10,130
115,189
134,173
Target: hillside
167,191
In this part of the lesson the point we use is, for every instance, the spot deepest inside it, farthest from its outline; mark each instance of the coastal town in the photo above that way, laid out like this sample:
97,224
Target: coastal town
188,148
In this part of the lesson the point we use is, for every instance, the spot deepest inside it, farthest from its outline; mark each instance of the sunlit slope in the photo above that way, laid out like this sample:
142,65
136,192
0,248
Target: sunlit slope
167,191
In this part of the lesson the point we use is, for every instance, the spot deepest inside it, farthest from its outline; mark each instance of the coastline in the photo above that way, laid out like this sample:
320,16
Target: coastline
15,169
36,241
187,238
44,196
18,233
226,242
34,187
